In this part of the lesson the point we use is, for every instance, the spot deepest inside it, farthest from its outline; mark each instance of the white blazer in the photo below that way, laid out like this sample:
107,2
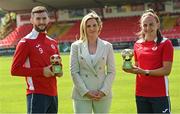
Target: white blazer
88,74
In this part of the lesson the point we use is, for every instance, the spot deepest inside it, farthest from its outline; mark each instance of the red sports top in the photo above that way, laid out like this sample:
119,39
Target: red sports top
149,56
31,56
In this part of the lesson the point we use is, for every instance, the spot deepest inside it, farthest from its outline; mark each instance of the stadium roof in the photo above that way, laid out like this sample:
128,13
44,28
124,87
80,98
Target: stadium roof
19,6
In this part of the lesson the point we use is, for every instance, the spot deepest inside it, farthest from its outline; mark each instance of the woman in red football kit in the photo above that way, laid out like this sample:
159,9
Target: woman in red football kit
153,62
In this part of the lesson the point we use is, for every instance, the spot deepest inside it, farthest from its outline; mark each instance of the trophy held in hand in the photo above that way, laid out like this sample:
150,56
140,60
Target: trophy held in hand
127,55
56,64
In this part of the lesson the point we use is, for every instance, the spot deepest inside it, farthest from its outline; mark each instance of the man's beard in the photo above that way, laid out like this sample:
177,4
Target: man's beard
40,30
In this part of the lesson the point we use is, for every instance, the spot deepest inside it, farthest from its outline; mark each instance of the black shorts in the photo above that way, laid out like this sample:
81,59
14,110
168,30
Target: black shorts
153,104
39,103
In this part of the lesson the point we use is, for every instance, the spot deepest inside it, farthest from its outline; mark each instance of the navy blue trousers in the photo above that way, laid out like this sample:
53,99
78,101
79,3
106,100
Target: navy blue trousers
153,105
39,103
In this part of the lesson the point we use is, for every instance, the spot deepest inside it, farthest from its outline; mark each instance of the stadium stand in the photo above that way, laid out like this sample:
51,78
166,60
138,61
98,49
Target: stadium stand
121,29
114,30
72,34
13,38
120,22
55,30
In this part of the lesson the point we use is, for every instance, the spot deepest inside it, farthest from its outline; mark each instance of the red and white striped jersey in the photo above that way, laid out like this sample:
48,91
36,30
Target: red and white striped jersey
149,56
31,56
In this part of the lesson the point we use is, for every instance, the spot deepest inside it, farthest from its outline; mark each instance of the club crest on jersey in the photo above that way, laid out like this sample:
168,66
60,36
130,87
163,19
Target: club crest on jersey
140,48
52,46
154,48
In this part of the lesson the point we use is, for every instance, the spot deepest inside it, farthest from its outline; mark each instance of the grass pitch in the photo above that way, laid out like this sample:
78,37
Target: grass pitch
13,89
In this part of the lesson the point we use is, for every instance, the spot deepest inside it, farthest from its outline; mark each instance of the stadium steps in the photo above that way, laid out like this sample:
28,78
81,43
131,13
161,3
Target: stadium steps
58,29
13,38
168,22
72,34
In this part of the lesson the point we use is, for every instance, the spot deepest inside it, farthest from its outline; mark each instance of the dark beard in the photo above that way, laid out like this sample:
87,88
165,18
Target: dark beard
40,30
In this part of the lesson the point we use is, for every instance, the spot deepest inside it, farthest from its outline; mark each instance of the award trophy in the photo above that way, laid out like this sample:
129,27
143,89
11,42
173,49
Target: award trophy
127,55
56,64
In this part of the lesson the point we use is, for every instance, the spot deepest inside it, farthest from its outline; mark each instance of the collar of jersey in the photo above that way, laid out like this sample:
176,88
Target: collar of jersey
33,35
141,40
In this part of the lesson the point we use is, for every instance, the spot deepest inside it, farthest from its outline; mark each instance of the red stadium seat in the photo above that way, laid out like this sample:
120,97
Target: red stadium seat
16,35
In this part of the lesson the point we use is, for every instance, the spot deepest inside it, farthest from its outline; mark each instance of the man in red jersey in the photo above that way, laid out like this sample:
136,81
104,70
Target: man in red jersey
32,61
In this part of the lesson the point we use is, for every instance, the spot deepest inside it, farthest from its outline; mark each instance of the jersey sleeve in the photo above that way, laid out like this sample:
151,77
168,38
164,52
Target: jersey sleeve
168,51
18,67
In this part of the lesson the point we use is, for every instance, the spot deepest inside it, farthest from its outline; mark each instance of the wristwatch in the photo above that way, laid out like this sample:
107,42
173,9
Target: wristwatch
147,72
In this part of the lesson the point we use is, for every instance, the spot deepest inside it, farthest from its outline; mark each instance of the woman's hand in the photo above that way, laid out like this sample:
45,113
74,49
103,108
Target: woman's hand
100,95
92,94
95,94
134,70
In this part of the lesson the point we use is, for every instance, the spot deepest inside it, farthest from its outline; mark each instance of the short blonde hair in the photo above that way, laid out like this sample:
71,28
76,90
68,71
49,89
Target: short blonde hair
91,15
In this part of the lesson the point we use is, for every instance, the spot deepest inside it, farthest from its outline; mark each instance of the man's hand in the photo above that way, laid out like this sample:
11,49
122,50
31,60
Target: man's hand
47,72
59,74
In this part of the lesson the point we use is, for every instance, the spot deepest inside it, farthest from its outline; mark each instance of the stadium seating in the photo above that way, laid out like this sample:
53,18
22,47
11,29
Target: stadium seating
114,30
55,30
72,34
121,29
15,36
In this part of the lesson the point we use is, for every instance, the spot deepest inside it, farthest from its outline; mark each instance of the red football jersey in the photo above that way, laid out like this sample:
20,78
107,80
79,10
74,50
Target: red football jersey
149,56
31,56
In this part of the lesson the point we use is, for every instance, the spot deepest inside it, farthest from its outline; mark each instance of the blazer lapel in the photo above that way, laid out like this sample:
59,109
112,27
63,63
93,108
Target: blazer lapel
85,54
99,51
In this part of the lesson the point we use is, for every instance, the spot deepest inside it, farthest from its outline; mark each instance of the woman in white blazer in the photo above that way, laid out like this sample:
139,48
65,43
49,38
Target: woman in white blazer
92,68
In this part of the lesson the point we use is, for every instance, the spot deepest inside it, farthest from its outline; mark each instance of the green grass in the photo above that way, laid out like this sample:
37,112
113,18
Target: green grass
13,89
